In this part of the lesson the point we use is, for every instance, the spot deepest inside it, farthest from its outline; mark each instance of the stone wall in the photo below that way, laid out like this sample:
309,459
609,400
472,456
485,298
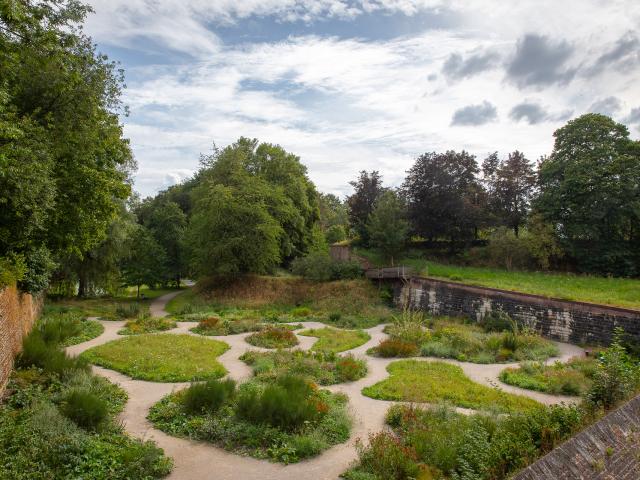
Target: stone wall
607,450
18,312
567,321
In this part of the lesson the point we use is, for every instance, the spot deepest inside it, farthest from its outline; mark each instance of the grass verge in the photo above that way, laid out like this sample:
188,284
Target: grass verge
434,382
161,358
336,340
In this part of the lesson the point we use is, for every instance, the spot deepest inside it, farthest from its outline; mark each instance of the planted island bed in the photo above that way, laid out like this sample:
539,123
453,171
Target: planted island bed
161,357
146,324
285,421
323,368
336,340
435,382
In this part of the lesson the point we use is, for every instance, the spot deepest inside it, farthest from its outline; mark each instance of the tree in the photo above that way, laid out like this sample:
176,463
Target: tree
368,189
443,196
145,261
590,192
334,217
387,227
167,222
510,186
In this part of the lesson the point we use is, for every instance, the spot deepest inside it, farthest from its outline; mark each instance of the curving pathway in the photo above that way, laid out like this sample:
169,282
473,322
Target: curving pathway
199,460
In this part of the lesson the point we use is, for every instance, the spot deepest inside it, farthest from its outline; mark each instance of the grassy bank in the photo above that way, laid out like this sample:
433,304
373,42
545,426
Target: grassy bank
620,292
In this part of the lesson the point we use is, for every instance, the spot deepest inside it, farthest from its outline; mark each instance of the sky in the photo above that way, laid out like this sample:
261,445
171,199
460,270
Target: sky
352,85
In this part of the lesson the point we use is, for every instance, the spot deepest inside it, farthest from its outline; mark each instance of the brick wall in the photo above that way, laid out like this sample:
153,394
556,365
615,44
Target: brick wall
18,311
567,321
607,450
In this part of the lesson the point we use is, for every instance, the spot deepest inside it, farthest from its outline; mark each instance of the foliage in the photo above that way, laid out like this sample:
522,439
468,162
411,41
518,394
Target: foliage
432,382
68,328
367,191
617,375
147,324
12,270
208,396
161,357
505,250
273,337
38,442
336,340
321,267
39,267
85,409
144,265
590,190
510,187
40,353
442,194
334,217
287,404
387,227
396,348
254,208
324,368
571,378
335,233
440,443
257,437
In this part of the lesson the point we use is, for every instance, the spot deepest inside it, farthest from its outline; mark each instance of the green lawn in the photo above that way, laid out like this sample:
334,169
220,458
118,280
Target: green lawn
434,382
336,340
161,357
621,292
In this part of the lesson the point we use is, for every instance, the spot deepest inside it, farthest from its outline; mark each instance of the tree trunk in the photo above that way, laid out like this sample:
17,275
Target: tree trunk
516,230
82,285
138,294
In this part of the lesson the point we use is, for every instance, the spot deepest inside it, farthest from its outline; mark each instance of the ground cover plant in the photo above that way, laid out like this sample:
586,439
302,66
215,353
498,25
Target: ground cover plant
68,328
147,324
285,421
231,325
60,423
434,382
570,378
438,443
621,292
273,337
323,368
336,340
161,357
344,303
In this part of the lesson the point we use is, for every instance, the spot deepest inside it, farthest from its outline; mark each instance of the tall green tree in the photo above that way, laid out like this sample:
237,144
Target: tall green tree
510,185
334,217
367,190
590,192
444,197
144,263
387,227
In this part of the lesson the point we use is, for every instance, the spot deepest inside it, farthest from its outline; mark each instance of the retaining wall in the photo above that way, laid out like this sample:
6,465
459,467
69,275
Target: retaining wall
18,312
573,322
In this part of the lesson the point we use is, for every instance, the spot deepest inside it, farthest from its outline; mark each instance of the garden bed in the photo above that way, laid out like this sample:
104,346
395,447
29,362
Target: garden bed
147,324
161,357
273,337
336,340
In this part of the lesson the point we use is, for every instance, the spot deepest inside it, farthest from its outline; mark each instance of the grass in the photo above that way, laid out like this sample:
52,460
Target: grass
273,337
231,428
146,324
620,292
319,367
336,340
161,357
434,382
119,307
89,329
571,378
345,303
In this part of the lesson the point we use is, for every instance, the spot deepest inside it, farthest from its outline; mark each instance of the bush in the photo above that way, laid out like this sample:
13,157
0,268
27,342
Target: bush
387,458
147,324
55,329
396,348
273,337
208,396
301,312
496,321
287,404
321,267
129,310
12,269
350,369
39,267
38,353
85,409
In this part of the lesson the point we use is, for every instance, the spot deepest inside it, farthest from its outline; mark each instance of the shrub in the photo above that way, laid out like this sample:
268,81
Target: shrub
129,310
287,404
349,368
208,396
56,329
85,409
273,337
396,348
38,353
147,324
496,321
301,312
12,269
39,267
386,457
321,267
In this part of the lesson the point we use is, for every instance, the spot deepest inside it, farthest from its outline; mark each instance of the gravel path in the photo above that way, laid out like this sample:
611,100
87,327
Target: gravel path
198,460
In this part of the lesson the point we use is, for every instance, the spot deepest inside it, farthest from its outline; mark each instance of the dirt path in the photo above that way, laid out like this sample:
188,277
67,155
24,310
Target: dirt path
198,460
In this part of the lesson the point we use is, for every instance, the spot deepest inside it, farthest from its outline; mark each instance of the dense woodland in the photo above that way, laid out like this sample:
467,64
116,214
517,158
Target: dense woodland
71,222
